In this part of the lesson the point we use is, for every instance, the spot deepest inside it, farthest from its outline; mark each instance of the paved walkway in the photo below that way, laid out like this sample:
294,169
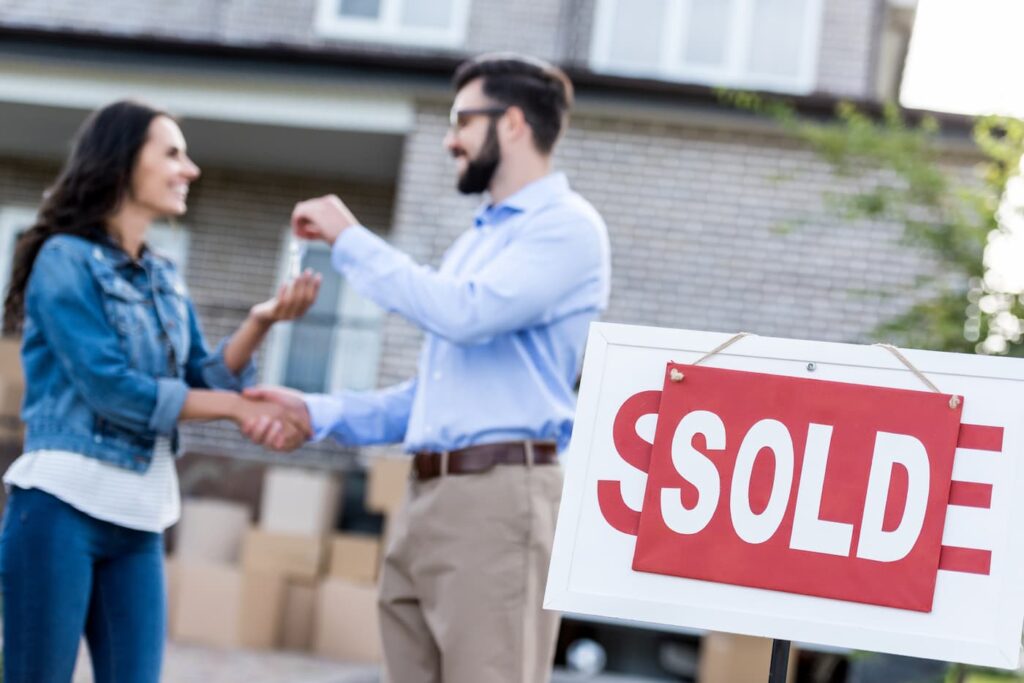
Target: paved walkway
193,664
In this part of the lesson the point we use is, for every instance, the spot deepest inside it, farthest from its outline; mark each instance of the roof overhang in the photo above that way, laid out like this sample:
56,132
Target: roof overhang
234,115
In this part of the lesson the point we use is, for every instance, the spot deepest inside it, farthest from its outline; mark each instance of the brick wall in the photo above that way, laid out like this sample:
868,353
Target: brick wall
22,182
530,26
850,37
193,19
709,229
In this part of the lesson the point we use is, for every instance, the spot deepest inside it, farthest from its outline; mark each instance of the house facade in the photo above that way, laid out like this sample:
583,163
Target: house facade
281,101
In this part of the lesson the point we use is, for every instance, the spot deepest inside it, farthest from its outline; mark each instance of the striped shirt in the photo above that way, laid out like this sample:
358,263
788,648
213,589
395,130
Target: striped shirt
148,501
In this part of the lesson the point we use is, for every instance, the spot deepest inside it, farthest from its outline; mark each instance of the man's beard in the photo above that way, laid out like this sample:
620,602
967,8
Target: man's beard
479,171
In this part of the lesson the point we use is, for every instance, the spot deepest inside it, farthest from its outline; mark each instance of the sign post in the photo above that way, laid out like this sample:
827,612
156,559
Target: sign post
797,490
779,670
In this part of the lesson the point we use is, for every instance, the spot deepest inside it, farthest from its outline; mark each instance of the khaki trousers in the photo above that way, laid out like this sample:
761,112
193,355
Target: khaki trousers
464,575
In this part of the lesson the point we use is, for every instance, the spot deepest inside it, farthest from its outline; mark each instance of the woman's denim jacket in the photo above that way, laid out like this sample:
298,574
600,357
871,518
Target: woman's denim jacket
110,348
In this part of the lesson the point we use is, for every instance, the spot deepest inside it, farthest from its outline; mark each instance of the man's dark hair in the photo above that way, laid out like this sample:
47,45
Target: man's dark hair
542,91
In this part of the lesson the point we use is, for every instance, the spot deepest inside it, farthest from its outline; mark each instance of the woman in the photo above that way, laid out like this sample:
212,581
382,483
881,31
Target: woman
114,359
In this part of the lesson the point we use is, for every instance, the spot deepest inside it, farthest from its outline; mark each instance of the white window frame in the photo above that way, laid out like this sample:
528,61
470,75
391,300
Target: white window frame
280,339
732,74
12,219
172,241
386,28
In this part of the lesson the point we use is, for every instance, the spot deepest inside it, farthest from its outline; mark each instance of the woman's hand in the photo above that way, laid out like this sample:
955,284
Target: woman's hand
292,301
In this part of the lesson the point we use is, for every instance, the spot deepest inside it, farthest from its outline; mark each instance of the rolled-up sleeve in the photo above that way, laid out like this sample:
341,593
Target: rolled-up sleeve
170,398
218,376
362,418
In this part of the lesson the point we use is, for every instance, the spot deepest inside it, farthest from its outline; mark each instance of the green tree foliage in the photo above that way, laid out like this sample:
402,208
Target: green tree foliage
896,169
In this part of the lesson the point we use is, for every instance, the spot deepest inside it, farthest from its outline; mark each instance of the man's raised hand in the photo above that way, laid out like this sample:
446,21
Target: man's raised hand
322,218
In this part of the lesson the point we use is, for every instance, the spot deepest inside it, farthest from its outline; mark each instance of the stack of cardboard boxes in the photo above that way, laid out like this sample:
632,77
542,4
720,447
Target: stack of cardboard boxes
730,657
290,581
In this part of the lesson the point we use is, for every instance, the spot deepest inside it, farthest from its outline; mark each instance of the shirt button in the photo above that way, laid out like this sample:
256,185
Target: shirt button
437,375
97,438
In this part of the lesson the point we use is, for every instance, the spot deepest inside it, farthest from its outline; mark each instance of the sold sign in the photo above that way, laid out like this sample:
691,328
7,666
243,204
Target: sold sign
803,486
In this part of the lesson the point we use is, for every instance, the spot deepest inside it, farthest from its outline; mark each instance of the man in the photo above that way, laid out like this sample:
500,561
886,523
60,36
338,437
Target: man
506,319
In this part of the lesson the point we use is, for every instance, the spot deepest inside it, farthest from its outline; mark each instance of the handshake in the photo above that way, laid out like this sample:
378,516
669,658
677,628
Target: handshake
273,417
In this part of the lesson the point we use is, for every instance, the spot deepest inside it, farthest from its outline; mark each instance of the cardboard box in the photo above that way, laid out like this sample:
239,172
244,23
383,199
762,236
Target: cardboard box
386,482
10,362
299,610
290,555
730,658
221,606
11,395
11,427
12,389
354,557
299,501
347,625
211,530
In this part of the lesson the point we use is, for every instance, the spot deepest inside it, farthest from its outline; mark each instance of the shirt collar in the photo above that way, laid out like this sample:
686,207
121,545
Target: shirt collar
533,196
119,256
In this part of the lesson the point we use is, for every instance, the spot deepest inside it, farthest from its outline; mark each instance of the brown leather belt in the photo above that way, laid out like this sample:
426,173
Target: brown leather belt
478,459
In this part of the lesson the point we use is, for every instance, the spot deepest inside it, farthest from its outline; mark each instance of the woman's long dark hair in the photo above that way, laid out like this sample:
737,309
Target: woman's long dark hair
94,181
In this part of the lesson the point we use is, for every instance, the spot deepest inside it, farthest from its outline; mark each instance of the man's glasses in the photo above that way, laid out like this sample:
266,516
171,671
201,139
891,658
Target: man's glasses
459,118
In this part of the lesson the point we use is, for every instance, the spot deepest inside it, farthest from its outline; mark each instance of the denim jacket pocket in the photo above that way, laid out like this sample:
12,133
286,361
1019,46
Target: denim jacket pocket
122,303
111,433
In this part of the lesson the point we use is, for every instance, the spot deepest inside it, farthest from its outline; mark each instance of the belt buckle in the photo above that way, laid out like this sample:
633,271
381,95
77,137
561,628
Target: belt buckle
419,461
426,460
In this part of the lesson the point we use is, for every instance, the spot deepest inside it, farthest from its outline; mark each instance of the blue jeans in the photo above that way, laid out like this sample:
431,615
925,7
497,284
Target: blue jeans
64,573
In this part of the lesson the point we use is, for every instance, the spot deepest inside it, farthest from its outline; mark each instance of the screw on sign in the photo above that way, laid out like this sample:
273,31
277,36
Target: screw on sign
804,486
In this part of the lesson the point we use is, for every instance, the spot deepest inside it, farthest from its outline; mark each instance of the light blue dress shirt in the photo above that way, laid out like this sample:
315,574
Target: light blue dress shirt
506,319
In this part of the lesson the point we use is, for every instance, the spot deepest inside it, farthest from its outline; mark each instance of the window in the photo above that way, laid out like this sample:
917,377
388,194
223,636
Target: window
336,345
760,44
440,23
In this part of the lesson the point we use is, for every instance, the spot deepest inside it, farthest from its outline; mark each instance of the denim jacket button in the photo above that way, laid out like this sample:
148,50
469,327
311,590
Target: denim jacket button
98,438
97,254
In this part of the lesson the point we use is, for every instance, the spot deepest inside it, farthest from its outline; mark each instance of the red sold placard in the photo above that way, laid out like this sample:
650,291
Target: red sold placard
804,486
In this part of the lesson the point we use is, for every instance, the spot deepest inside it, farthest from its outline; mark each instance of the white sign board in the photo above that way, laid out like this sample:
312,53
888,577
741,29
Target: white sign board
976,611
